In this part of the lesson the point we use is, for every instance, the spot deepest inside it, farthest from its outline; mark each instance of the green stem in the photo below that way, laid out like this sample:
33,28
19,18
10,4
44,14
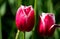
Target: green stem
17,34
23,35
0,28
32,34
35,4
35,14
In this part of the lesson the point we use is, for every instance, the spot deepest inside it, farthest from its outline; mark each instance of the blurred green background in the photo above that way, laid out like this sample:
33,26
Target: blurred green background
8,10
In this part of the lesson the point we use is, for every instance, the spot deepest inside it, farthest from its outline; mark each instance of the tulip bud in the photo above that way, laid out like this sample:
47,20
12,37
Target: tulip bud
46,24
25,18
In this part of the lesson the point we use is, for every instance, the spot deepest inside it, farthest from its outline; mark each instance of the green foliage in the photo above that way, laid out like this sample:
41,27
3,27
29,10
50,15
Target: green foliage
3,8
8,10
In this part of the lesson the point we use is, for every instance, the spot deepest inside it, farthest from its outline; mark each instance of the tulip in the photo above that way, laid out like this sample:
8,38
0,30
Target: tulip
25,18
46,24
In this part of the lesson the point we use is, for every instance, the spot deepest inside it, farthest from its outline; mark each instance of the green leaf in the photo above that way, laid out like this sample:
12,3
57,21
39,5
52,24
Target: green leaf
56,34
2,9
11,1
28,35
50,6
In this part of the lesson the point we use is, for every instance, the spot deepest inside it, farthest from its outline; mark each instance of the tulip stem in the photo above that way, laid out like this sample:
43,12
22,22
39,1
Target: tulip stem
17,34
57,25
0,28
35,3
24,35
35,7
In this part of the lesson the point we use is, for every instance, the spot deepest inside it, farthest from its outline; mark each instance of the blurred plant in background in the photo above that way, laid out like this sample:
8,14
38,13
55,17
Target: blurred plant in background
8,10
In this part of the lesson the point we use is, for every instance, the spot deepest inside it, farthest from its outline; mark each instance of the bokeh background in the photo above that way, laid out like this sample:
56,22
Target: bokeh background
8,10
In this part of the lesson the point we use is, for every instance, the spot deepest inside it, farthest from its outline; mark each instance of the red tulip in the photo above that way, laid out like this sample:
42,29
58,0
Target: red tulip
46,24
25,18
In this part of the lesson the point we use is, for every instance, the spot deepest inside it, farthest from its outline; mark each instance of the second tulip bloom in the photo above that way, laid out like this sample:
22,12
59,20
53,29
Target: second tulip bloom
46,24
